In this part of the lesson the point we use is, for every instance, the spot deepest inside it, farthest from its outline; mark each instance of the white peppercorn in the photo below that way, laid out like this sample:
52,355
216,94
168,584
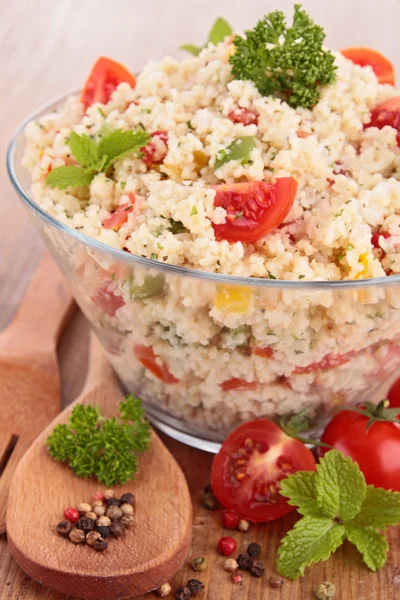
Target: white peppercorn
91,537
76,536
83,508
127,509
114,512
109,494
230,565
127,520
164,590
103,521
99,511
91,515
243,525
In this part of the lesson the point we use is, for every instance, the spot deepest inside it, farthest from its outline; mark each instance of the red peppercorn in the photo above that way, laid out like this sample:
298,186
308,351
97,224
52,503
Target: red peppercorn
98,496
230,520
226,546
72,515
237,577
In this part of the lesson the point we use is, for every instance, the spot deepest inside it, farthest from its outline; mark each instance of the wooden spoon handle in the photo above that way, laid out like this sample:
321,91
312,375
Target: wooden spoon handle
42,315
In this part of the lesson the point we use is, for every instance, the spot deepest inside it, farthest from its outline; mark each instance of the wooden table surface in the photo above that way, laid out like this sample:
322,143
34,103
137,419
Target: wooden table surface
46,48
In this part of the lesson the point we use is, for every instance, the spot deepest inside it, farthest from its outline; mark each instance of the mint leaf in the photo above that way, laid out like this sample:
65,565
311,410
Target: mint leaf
191,48
379,509
118,144
310,541
84,149
69,176
301,490
239,149
219,31
372,545
341,486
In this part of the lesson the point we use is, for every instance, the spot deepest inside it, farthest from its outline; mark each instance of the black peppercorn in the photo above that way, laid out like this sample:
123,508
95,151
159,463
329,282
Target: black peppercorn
112,502
128,499
183,593
257,568
210,501
208,489
85,524
64,527
100,545
254,550
195,586
275,581
244,562
117,529
104,531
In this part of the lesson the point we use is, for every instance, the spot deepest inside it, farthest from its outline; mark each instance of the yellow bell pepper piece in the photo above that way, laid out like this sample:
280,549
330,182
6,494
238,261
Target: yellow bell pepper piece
233,298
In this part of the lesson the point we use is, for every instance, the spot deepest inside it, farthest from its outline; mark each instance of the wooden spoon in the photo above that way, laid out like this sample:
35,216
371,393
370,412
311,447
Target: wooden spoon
29,377
147,556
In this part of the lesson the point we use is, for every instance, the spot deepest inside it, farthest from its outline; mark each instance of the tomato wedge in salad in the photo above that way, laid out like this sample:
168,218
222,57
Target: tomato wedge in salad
104,78
364,57
119,216
254,208
152,362
108,301
386,113
330,361
246,116
265,352
247,470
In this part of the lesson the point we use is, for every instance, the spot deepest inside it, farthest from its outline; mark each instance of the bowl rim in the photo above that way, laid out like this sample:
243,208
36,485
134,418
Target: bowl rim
155,264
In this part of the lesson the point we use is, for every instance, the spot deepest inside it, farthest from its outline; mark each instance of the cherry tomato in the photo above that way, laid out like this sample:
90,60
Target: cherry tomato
376,449
386,113
104,78
247,470
151,361
381,65
247,116
266,352
118,217
156,149
330,361
238,384
108,301
254,208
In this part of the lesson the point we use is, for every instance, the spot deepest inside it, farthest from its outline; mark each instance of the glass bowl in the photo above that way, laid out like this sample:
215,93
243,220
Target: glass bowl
206,352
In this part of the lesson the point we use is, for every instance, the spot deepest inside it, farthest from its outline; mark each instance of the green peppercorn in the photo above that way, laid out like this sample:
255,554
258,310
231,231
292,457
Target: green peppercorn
199,564
325,591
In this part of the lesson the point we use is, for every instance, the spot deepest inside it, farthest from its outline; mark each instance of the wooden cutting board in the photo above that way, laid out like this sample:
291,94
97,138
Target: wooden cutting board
353,581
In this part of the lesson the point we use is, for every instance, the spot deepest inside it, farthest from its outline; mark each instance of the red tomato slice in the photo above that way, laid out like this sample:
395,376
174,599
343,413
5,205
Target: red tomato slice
254,208
247,116
157,149
104,78
238,384
381,65
150,361
330,361
119,216
386,113
266,352
375,239
108,301
247,470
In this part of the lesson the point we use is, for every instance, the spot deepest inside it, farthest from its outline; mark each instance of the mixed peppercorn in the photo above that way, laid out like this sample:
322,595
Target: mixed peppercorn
106,517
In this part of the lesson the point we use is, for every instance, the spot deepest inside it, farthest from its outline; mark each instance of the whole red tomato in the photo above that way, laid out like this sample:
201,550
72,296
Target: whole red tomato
247,470
376,448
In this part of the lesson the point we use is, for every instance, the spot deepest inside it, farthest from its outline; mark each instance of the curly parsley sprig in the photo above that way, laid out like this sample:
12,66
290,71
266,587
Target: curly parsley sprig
287,62
108,449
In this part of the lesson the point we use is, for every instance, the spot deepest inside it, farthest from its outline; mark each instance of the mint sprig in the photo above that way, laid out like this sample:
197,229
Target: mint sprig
218,32
336,504
95,156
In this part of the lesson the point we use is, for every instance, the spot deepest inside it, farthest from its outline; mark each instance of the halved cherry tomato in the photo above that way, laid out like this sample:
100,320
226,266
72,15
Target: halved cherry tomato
157,149
386,113
254,208
119,216
266,352
381,65
108,301
330,361
247,116
376,448
104,78
247,470
238,384
150,361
